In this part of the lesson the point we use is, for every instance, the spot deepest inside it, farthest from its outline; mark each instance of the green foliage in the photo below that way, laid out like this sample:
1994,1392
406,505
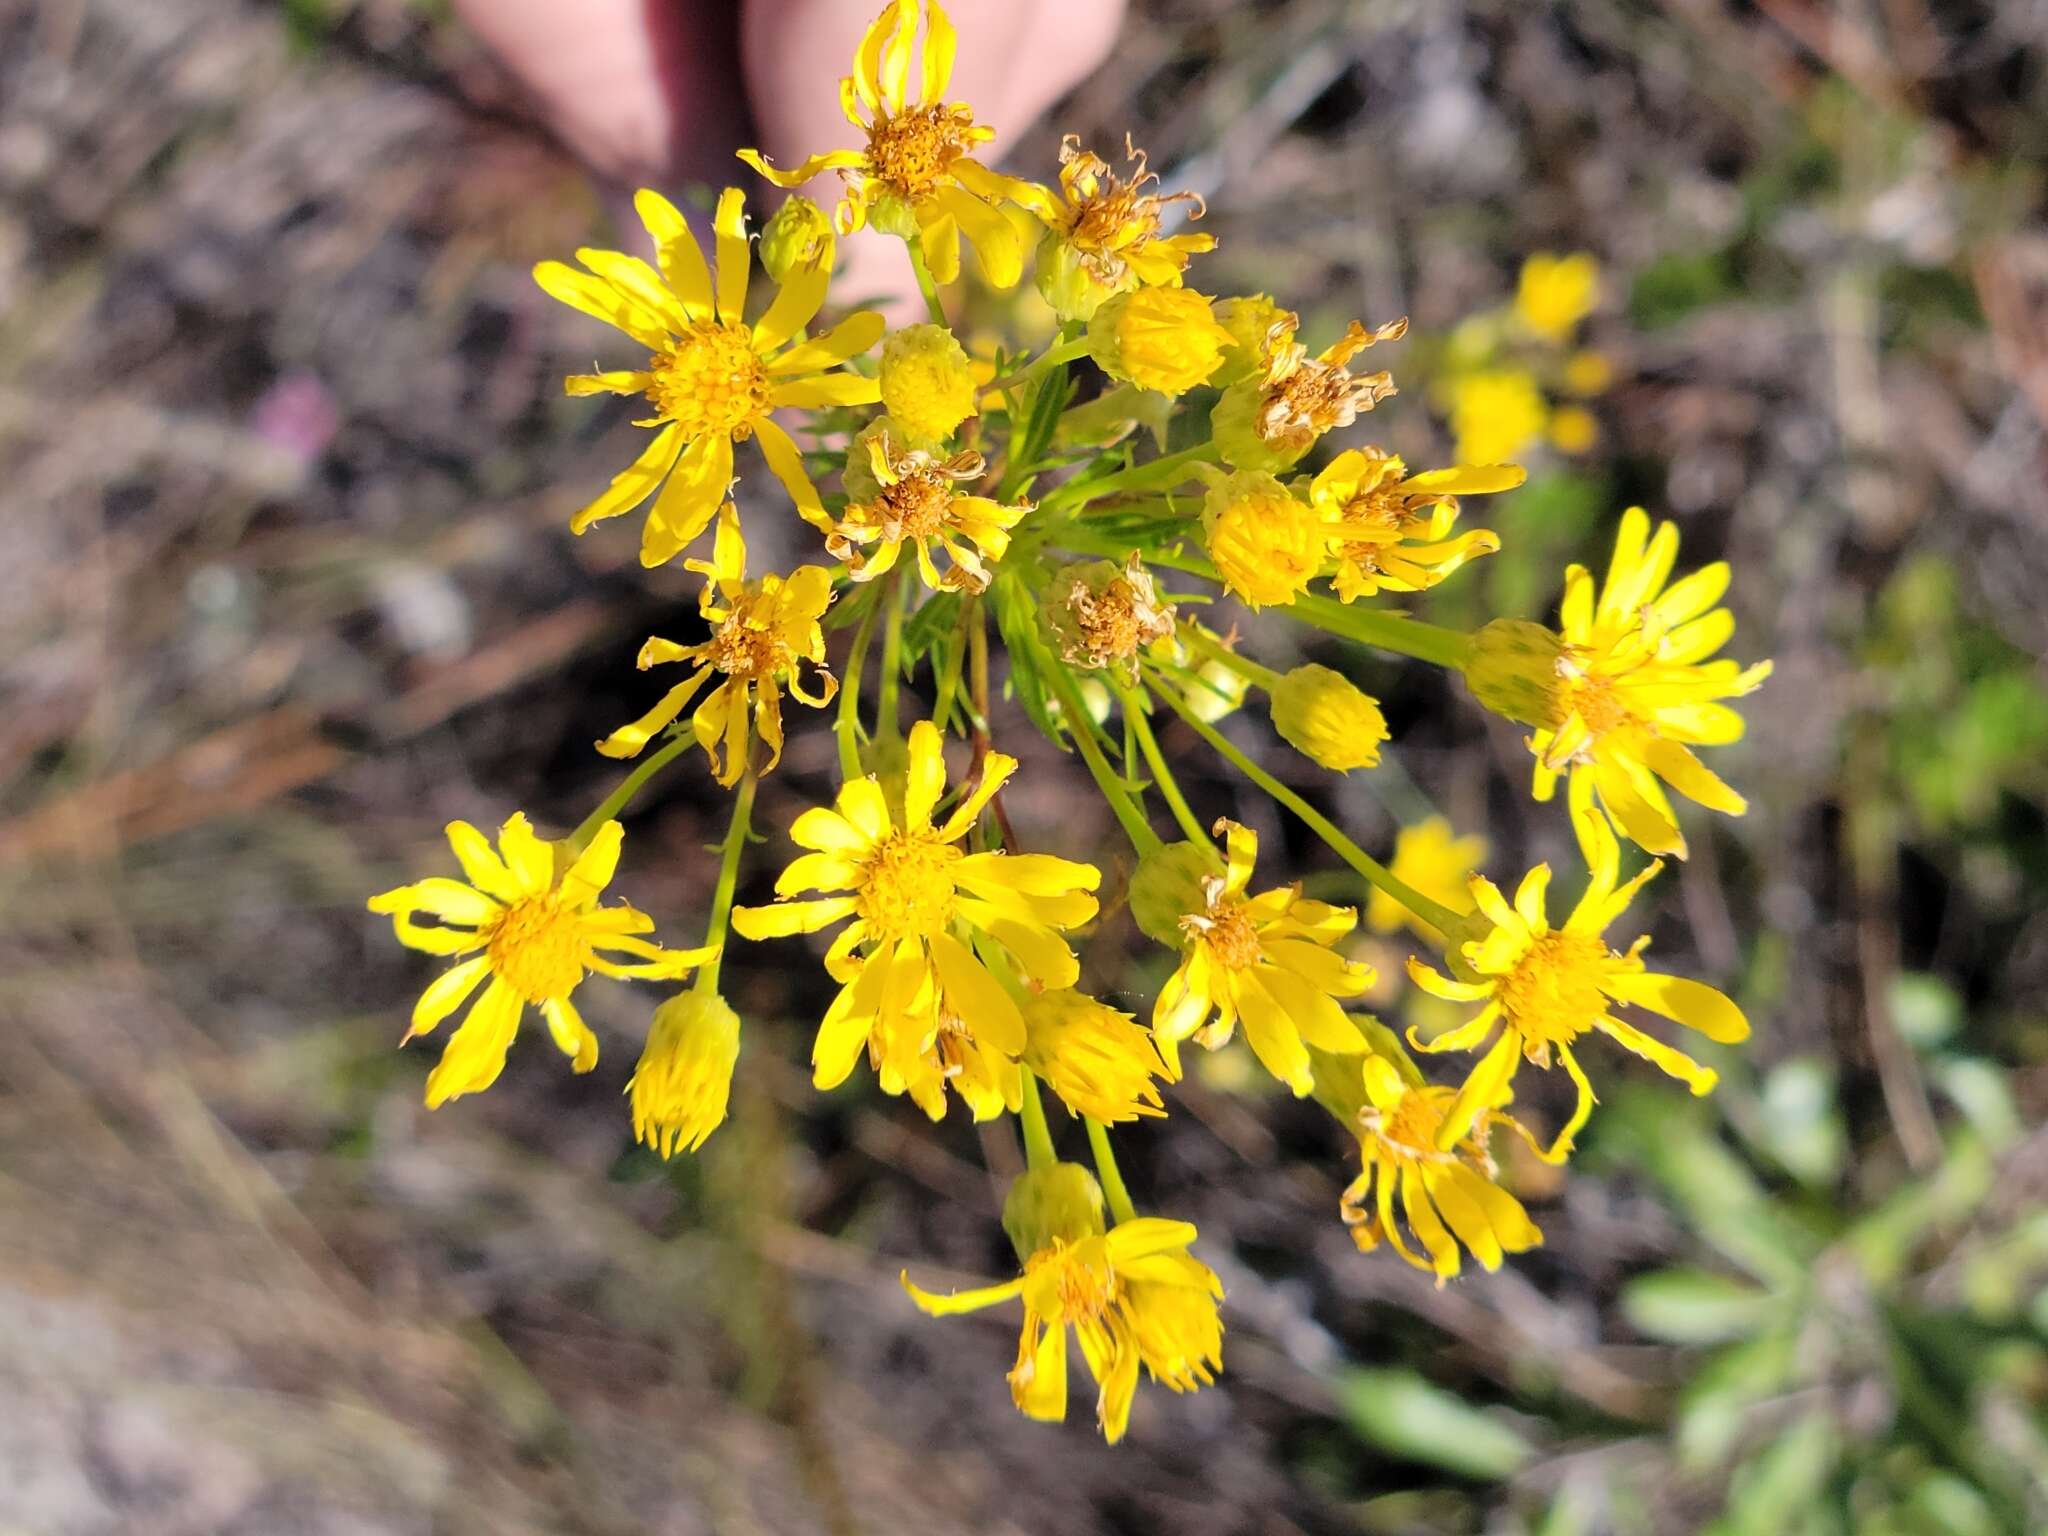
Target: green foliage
1402,1414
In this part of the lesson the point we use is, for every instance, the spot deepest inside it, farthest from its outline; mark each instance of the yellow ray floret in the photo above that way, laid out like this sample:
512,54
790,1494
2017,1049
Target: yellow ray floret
762,633
539,929
1390,530
1266,960
927,920
1446,1192
713,379
1635,690
916,178
1544,988
1133,1296
918,503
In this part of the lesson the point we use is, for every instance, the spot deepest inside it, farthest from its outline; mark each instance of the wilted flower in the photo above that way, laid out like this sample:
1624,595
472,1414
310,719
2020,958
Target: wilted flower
1386,528
919,503
1103,614
1102,232
1270,418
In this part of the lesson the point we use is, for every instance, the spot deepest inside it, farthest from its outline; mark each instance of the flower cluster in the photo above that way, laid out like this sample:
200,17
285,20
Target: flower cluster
1512,379
940,507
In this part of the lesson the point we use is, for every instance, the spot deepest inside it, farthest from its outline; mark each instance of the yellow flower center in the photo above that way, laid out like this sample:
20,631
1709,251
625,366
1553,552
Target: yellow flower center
1553,994
743,647
1085,1290
906,885
1406,1134
711,383
911,152
1592,695
1228,931
917,506
536,949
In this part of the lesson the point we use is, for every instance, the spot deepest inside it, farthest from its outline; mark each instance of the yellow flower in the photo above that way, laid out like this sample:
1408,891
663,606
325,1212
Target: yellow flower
915,179
1555,293
1546,987
1327,718
925,913
1574,430
1495,414
1389,529
1269,419
1267,960
713,379
1102,232
1165,339
1635,691
917,504
684,1079
1099,1060
1588,372
761,634
1447,1191
1431,860
1133,1296
539,932
986,1076
1266,542
927,383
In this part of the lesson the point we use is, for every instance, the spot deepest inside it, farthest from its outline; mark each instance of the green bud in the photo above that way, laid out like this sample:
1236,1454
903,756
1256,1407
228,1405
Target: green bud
798,238
1167,886
1512,668
1061,1202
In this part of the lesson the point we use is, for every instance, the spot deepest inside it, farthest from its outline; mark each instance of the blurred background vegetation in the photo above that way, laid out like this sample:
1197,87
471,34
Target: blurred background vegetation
286,584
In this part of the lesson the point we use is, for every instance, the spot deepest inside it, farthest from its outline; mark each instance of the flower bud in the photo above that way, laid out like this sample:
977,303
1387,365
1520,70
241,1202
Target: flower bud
1167,886
927,383
1069,282
1100,1061
1062,1203
1250,320
680,1088
1512,668
1234,423
1328,719
1103,614
797,238
1266,542
1158,338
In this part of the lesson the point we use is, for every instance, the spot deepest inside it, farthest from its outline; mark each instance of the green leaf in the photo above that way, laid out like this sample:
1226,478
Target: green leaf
1694,1306
1405,1416
1783,1484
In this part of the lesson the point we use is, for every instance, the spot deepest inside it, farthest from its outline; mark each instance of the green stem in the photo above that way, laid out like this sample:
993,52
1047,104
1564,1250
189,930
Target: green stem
1441,918
1108,1174
1200,640
1079,730
728,874
1059,352
1154,474
1038,1152
848,730
925,283
1385,631
888,721
631,785
1169,788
